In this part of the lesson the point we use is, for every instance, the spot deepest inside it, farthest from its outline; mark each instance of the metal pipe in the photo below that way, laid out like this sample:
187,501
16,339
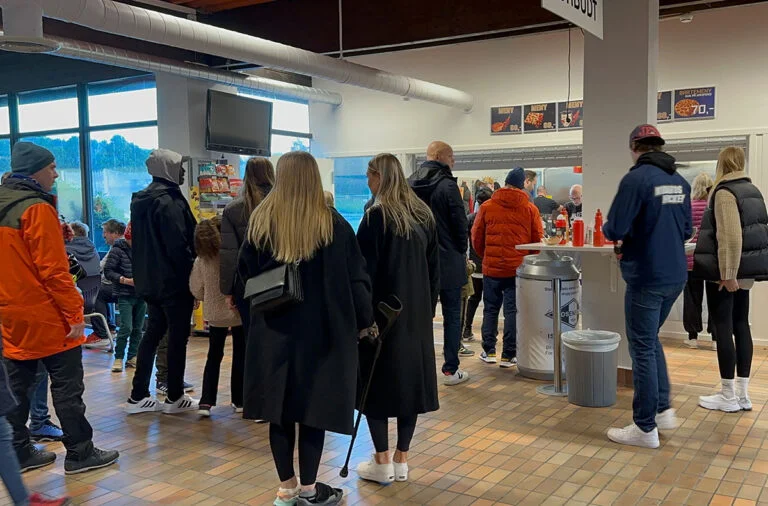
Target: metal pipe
556,317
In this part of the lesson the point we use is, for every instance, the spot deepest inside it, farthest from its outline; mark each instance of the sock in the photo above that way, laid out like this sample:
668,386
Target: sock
741,387
728,388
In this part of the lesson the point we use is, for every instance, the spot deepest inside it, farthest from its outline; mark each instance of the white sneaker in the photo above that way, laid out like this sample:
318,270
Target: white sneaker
184,403
101,344
667,420
714,345
401,471
692,343
634,436
488,358
455,379
237,409
506,363
383,474
146,405
719,402
745,404
204,411
117,366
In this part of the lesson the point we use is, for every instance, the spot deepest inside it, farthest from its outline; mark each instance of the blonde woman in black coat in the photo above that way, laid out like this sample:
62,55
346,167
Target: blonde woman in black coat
398,239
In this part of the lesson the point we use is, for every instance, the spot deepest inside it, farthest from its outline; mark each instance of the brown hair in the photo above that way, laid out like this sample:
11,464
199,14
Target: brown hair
114,226
530,175
79,228
208,238
646,147
731,159
258,174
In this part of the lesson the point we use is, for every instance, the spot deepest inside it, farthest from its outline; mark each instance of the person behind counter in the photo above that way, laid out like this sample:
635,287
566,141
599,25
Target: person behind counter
654,266
530,184
543,203
573,208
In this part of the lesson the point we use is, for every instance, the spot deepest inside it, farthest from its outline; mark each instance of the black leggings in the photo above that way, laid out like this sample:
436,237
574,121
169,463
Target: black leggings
217,337
472,304
406,425
282,440
730,319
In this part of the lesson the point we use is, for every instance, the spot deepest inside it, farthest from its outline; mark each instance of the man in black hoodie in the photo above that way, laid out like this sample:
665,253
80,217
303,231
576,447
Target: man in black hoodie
163,254
434,183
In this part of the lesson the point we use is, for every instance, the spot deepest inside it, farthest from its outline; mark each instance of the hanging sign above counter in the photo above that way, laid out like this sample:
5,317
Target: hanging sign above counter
587,14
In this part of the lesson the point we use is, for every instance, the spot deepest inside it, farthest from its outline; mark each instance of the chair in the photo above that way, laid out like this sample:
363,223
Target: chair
90,287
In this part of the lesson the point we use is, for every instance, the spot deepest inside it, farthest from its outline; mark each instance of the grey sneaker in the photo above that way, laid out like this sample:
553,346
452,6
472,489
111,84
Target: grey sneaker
465,352
324,494
97,460
37,459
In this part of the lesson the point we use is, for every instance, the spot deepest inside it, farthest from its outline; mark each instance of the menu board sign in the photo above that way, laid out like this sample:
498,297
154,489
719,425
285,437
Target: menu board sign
570,115
507,119
695,103
664,106
540,117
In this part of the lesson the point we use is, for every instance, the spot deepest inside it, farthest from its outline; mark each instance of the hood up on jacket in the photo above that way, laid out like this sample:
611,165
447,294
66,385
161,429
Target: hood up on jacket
166,164
511,198
659,159
428,176
143,200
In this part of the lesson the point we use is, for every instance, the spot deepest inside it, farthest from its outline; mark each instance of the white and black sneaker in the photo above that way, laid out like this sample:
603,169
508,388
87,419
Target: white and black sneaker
184,403
145,405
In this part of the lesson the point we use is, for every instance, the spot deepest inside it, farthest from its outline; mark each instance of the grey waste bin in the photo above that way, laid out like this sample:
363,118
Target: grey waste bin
591,362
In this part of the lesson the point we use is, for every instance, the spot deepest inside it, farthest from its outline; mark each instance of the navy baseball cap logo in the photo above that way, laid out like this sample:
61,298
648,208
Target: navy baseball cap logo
647,133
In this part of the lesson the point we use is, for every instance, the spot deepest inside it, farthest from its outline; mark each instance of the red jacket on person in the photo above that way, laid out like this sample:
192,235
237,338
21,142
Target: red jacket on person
505,221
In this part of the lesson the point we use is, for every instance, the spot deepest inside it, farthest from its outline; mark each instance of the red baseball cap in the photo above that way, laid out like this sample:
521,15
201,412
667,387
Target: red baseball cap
128,232
648,134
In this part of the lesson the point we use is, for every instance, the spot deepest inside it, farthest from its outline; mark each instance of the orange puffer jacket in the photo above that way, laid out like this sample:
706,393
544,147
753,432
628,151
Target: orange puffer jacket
38,300
503,222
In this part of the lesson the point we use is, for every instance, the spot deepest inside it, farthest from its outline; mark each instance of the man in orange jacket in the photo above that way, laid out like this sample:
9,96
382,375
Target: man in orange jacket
42,311
505,221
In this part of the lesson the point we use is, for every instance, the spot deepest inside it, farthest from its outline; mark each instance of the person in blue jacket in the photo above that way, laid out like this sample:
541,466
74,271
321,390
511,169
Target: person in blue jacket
650,220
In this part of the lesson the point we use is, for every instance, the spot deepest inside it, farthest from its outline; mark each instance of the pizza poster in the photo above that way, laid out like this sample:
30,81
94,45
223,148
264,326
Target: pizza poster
570,115
695,103
540,117
507,119
664,106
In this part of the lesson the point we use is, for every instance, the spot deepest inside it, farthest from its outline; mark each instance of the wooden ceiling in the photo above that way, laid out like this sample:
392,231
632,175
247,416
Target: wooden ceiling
217,5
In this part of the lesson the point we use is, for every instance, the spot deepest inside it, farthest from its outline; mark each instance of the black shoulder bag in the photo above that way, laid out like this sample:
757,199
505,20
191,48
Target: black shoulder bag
275,288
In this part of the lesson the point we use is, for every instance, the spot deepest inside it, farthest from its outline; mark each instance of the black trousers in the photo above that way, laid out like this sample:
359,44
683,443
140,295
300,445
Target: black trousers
103,300
406,425
66,373
730,319
693,296
217,337
282,441
472,305
175,317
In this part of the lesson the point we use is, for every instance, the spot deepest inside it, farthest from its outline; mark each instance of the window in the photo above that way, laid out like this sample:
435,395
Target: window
290,124
5,123
124,101
69,185
48,110
5,155
282,144
351,187
118,170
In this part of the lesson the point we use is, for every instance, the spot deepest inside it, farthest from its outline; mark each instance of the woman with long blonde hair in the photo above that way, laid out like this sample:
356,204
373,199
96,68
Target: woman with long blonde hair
398,238
301,359
732,252
257,183
693,294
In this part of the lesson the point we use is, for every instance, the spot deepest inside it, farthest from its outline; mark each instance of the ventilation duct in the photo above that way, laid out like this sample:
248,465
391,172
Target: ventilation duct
139,23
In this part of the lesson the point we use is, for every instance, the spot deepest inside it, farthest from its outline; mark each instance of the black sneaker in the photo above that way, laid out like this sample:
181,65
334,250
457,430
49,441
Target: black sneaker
324,494
465,352
37,459
161,387
97,460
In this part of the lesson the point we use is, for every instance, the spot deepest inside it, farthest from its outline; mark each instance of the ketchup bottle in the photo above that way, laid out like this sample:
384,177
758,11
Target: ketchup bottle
598,239
578,232
561,224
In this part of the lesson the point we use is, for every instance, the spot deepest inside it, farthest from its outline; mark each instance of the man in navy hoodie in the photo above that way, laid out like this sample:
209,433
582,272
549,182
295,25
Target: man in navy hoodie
650,220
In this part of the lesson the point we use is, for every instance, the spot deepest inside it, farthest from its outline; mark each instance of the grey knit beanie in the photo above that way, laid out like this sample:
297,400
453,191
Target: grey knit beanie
28,158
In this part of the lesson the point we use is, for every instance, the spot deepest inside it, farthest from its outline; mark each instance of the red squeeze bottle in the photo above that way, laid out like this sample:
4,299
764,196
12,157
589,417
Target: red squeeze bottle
598,238
562,224
578,232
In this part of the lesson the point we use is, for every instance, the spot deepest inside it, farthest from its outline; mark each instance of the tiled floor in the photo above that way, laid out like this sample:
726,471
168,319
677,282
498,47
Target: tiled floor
494,441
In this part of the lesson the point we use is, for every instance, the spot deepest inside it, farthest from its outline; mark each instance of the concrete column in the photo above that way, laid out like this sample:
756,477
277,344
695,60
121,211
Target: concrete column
620,89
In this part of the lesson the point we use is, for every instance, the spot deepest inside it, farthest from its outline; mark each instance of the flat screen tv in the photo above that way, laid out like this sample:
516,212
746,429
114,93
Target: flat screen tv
236,124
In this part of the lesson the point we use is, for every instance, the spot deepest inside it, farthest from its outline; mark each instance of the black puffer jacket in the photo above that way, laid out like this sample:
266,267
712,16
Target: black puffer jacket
120,263
234,224
434,183
163,242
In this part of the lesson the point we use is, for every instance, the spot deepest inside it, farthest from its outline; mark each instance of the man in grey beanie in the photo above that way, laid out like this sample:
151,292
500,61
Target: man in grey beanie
163,253
41,312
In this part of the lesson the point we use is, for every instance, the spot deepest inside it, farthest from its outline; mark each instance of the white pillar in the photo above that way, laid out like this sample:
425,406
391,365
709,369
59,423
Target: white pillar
619,93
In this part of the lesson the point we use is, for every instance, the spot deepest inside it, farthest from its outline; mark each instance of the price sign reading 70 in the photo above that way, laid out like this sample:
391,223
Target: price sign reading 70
696,103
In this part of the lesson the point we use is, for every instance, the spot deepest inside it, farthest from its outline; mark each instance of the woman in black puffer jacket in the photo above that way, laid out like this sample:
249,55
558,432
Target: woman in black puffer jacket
258,182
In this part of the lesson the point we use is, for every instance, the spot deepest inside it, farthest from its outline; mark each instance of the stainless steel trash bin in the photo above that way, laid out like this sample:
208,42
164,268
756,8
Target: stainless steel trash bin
591,362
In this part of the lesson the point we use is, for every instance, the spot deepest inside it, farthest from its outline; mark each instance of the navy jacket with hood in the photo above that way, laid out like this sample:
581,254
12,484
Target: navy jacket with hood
651,213
434,183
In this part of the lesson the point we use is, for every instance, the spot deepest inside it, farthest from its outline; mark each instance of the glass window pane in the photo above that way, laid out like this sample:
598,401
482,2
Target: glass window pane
53,109
286,115
5,124
118,170
124,101
5,156
351,187
69,185
282,144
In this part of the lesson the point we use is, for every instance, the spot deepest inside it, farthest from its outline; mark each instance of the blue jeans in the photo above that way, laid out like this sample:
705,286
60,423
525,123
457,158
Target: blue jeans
498,293
450,300
10,472
646,309
38,400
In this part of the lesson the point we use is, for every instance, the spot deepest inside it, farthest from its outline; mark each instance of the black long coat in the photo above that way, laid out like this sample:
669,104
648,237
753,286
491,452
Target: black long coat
301,362
404,381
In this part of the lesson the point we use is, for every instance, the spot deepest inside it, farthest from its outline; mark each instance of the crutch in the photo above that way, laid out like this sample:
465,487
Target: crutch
390,310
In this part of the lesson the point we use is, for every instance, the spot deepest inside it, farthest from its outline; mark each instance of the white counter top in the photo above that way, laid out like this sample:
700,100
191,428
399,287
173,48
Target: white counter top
587,248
